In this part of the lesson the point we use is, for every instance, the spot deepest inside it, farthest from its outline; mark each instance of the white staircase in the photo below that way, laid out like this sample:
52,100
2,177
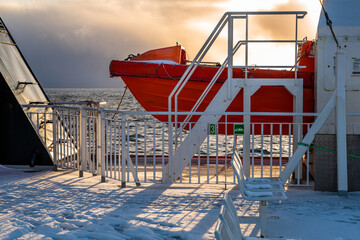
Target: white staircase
183,152
198,133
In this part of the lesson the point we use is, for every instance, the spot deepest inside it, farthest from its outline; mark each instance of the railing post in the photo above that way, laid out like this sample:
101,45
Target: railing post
247,106
123,151
101,144
55,156
297,128
82,159
230,57
246,119
341,123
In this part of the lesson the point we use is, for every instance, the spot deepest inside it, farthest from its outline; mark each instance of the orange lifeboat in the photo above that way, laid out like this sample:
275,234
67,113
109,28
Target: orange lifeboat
152,76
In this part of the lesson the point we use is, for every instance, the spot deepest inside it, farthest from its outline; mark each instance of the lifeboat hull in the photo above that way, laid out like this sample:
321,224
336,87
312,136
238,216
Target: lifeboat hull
151,84
153,96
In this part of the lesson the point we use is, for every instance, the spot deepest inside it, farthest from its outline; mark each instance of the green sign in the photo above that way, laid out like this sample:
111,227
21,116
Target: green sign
238,129
212,129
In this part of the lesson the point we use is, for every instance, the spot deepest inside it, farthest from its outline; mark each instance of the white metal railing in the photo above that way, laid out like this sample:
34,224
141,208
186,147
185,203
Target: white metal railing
133,146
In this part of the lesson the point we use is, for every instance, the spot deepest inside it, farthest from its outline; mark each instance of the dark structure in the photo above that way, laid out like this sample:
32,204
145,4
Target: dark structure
22,146
325,163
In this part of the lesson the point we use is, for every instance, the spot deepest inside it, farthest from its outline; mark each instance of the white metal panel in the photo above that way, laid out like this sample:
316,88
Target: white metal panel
346,25
341,13
16,72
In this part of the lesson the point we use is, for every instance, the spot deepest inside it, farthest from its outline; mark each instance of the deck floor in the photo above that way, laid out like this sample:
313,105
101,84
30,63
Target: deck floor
60,205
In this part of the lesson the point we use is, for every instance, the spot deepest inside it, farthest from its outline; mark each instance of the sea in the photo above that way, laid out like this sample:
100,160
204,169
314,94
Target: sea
112,97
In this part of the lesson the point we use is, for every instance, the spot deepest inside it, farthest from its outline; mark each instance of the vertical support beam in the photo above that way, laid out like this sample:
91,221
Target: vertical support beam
246,45
230,57
247,105
168,176
247,108
296,51
83,144
55,138
263,218
123,151
297,134
296,129
101,144
296,103
341,123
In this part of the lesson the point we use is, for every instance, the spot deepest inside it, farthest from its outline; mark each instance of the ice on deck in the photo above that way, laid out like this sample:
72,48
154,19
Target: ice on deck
60,205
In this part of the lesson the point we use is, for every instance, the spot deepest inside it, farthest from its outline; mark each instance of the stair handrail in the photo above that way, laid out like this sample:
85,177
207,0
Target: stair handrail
192,67
213,36
209,86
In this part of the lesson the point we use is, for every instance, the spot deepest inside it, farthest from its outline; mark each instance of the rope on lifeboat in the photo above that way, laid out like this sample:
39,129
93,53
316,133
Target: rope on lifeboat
122,97
168,73
163,66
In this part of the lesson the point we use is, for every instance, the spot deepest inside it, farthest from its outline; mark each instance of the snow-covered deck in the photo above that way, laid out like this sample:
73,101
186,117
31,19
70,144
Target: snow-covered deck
60,205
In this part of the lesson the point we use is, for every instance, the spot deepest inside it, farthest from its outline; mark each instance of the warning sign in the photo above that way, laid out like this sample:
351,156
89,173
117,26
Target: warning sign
355,66
238,129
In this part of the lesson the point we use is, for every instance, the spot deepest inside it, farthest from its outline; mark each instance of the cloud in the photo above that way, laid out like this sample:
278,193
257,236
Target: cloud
283,27
70,43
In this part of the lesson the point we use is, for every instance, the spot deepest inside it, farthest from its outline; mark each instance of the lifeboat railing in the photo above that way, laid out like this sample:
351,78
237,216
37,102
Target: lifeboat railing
227,19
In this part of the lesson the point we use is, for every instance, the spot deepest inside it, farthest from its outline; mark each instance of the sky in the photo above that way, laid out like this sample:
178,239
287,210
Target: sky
70,43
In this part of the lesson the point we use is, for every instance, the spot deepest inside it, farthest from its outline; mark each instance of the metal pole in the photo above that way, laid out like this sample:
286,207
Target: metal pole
82,142
263,218
230,57
297,128
341,123
123,151
247,108
55,156
101,147
246,46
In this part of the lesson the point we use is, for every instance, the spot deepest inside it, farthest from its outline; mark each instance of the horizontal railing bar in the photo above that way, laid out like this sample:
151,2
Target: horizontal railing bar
273,82
272,41
186,113
47,106
267,13
270,66
352,114
180,113
212,113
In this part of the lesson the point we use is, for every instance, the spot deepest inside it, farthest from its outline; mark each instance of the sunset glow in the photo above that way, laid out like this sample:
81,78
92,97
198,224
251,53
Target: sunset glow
84,36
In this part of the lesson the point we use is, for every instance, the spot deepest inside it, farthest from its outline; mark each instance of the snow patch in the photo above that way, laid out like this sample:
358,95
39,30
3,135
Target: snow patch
258,194
59,205
257,186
